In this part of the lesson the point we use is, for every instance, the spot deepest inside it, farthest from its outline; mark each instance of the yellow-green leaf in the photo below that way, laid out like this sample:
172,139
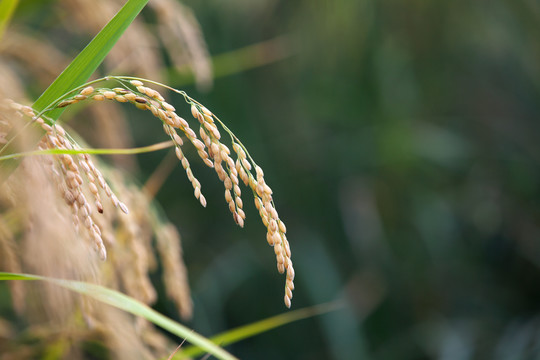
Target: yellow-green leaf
126,303
250,330
84,65
7,8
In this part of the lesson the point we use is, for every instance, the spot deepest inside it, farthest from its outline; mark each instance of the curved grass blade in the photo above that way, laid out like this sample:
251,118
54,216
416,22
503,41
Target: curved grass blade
239,60
7,8
246,331
84,65
126,303
80,69
130,151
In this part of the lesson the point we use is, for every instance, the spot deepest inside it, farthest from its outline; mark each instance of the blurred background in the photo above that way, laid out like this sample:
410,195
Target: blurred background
401,142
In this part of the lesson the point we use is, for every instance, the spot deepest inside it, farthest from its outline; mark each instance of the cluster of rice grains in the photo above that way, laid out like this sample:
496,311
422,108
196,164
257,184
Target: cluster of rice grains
42,204
213,152
69,173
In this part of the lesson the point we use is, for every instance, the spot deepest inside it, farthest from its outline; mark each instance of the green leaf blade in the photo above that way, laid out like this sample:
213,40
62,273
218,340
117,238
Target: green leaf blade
7,8
79,70
88,60
259,327
128,304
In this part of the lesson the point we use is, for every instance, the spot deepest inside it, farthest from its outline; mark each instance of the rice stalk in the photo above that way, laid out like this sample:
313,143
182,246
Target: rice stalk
210,148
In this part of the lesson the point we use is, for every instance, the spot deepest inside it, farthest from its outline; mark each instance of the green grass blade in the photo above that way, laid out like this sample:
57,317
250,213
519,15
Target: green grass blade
7,8
84,65
126,303
79,70
13,276
238,60
130,151
246,331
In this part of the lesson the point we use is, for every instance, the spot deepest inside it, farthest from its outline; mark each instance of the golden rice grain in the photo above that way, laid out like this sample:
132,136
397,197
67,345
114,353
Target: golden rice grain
211,150
87,90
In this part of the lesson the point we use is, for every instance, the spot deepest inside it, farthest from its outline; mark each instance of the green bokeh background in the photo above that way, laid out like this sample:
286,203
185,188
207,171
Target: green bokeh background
399,140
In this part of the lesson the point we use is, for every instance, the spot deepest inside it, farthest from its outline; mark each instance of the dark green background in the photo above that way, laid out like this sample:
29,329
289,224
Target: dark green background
402,144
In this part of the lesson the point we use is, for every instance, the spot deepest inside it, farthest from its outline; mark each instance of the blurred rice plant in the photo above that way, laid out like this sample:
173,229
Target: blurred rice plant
37,234
408,167
142,244
409,132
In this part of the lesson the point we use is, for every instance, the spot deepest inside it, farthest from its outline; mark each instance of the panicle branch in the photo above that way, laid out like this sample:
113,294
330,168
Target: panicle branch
75,177
231,167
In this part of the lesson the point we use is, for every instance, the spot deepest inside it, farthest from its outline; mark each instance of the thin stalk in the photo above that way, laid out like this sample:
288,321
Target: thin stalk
130,151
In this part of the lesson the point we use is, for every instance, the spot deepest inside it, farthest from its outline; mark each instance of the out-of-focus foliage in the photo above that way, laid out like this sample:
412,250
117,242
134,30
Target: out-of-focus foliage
400,141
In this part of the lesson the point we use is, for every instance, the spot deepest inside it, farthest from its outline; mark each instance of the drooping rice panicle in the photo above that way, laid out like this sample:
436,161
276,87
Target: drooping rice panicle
211,150
67,171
